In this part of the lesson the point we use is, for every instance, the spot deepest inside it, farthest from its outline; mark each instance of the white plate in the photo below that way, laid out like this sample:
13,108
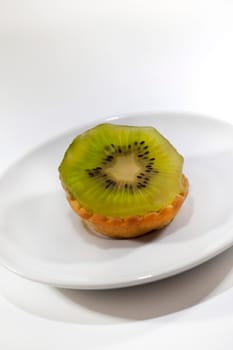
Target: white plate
43,240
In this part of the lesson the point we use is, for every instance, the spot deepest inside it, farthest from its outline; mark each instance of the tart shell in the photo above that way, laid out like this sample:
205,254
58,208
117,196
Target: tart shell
132,226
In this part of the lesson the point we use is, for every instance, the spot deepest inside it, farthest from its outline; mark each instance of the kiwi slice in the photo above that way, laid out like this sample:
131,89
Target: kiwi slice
120,171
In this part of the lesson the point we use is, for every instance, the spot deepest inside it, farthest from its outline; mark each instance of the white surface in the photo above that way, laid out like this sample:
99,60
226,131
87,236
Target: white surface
41,239
67,62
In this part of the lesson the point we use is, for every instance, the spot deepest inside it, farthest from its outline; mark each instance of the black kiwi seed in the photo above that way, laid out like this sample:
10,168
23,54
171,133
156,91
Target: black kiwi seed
140,185
142,142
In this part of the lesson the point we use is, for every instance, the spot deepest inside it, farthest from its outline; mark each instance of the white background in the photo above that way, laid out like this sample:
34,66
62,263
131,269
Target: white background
63,63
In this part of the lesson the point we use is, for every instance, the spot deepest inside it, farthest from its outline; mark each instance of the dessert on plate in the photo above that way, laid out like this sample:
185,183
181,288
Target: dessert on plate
123,181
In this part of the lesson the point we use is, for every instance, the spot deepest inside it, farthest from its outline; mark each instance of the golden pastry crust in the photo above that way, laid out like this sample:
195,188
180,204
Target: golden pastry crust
132,226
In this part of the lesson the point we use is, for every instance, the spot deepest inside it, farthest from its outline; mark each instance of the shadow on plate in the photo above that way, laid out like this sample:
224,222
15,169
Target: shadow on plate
160,298
145,302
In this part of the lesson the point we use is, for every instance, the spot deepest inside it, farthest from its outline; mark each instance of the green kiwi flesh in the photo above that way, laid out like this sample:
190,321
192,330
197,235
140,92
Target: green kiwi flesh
120,171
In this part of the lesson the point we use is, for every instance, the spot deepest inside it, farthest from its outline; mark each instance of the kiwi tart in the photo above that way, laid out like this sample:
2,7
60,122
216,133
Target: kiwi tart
123,181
